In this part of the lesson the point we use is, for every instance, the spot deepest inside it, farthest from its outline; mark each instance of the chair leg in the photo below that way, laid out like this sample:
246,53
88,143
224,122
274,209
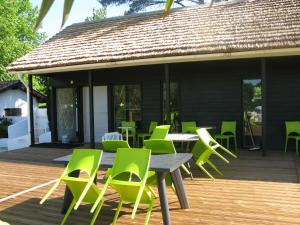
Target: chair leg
228,140
117,212
149,212
286,142
205,171
185,169
235,143
297,142
97,212
68,212
214,167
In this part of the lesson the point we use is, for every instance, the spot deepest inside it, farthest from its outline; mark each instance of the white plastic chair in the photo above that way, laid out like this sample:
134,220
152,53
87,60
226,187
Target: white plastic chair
112,136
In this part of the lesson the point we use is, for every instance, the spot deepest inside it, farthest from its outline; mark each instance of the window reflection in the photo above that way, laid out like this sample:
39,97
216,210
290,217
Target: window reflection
252,107
127,103
174,105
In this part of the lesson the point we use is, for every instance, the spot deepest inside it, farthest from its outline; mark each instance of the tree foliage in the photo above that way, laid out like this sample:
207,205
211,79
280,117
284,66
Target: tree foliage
17,35
141,5
98,14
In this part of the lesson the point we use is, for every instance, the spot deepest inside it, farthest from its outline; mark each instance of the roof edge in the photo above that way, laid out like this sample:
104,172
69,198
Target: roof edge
169,60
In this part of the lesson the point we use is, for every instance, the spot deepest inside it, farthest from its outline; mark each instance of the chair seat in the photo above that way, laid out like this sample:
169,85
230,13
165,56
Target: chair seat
143,135
224,135
294,136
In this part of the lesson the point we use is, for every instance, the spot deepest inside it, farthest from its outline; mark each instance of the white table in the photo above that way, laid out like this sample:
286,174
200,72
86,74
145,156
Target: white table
182,137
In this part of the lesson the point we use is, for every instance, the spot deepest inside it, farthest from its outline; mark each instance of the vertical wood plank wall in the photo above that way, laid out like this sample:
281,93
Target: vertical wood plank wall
209,91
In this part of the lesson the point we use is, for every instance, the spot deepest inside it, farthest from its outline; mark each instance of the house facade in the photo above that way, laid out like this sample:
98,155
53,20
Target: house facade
228,62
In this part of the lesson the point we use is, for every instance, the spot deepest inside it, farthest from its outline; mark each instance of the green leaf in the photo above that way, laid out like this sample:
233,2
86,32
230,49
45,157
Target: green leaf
67,8
46,5
168,6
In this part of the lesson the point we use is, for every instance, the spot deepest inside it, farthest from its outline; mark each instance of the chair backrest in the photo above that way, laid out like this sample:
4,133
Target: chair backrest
86,160
292,127
160,132
201,151
113,145
131,124
186,126
152,126
159,146
112,136
205,136
228,127
131,160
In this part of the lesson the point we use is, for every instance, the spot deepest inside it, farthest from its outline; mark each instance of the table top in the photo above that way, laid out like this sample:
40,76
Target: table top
126,127
158,163
182,137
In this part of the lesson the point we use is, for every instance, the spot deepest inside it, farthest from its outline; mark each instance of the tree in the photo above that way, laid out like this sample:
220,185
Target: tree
98,14
141,5
17,34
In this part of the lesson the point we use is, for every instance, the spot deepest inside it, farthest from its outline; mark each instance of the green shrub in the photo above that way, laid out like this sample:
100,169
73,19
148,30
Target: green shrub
4,123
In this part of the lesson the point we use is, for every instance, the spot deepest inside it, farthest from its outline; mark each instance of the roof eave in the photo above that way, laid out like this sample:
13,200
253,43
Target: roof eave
167,60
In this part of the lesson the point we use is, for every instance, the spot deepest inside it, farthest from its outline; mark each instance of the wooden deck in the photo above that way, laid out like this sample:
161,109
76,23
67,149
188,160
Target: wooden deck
254,190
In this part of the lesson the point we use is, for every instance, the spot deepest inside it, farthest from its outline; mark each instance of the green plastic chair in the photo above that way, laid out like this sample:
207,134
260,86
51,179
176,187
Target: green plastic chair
146,135
128,177
202,152
228,131
189,127
113,145
205,136
159,146
131,131
83,189
160,132
292,132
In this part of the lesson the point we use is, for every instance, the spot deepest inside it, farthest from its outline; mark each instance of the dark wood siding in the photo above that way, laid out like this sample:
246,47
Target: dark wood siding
283,98
210,92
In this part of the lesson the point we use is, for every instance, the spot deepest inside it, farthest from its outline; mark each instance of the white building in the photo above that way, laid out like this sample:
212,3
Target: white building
13,99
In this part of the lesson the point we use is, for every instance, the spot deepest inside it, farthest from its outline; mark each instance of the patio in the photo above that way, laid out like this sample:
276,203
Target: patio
253,190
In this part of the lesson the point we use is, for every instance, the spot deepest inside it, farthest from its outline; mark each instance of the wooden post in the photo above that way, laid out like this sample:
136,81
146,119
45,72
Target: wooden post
167,90
91,102
52,101
30,103
263,68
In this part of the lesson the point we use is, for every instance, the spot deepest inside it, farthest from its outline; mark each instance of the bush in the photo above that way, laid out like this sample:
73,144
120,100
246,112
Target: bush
4,123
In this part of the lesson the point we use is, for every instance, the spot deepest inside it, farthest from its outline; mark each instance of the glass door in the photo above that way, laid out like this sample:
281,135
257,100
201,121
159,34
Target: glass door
173,105
66,114
127,104
252,113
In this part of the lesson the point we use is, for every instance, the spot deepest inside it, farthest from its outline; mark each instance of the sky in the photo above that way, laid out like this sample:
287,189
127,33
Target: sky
80,10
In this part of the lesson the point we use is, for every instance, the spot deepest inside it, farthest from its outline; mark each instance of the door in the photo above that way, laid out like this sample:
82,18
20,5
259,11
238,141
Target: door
100,113
66,114
252,112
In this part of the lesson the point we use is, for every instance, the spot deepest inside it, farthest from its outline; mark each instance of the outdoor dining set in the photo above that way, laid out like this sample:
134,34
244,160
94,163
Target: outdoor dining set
134,172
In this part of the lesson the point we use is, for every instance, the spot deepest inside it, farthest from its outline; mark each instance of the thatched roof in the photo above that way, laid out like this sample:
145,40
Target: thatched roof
228,28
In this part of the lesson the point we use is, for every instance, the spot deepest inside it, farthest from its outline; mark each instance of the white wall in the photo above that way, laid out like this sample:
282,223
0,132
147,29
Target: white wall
15,99
100,113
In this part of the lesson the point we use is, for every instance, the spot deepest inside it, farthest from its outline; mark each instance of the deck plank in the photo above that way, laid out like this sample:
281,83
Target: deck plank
253,190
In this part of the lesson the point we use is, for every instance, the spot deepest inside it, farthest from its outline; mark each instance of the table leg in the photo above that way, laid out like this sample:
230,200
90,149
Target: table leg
179,187
126,134
68,197
162,191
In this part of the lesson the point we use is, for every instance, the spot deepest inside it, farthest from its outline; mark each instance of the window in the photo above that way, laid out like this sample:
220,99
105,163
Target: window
173,104
252,110
13,112
127,103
